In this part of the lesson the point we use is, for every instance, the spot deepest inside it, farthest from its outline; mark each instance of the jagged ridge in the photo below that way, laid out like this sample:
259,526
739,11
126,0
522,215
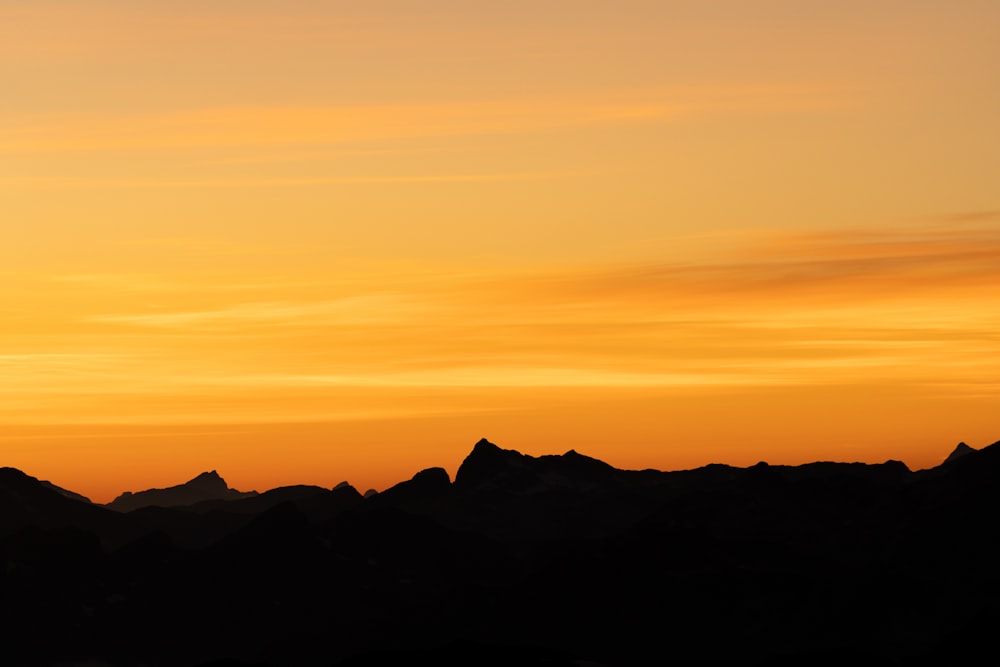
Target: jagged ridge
206,486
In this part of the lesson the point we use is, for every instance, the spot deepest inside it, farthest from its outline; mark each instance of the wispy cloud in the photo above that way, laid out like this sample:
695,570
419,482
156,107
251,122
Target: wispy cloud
915,308
119,435
367,310
857,265
168,183
357,125
501,375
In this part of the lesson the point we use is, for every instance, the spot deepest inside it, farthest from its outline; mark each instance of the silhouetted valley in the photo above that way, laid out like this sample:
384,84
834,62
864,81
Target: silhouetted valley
520,560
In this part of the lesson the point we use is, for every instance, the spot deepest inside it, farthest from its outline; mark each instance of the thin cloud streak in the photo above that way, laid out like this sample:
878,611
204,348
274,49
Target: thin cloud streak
502,376
161,184
849,264
789,311
118,435
367,310
313,126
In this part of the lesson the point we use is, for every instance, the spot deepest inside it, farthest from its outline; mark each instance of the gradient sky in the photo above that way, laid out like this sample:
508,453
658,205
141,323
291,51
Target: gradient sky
304,241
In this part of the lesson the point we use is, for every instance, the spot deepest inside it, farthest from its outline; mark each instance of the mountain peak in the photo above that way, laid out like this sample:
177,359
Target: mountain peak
491,468
961,449
426,486
485,462
210,483
485,445
206,486
433,476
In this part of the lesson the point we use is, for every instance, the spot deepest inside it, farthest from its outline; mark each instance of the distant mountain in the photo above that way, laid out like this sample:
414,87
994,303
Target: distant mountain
960,450
206,486
426,485
65,492
490,468
27,501
556,559
254,503
315,502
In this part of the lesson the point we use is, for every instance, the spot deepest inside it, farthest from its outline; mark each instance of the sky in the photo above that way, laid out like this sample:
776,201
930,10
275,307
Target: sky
307,242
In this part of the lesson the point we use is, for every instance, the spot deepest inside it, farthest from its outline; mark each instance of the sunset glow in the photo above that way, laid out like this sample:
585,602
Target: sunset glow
304,242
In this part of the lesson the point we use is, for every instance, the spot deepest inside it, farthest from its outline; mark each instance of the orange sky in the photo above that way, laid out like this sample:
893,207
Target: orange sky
306,242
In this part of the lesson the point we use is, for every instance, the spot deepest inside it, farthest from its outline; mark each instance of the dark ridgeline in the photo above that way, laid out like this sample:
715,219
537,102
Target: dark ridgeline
206,486
552,560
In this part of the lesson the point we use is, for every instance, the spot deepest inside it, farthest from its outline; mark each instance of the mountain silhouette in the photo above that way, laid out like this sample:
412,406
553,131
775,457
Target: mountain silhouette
547,560
960,450
27,501
65,492
426,486
254,503
489,468
206,486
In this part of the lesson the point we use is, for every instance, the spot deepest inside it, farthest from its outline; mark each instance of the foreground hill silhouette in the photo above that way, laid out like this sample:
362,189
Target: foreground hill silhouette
549,560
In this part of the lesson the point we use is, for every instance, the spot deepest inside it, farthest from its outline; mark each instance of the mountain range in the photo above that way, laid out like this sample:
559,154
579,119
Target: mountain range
206,486
554,560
